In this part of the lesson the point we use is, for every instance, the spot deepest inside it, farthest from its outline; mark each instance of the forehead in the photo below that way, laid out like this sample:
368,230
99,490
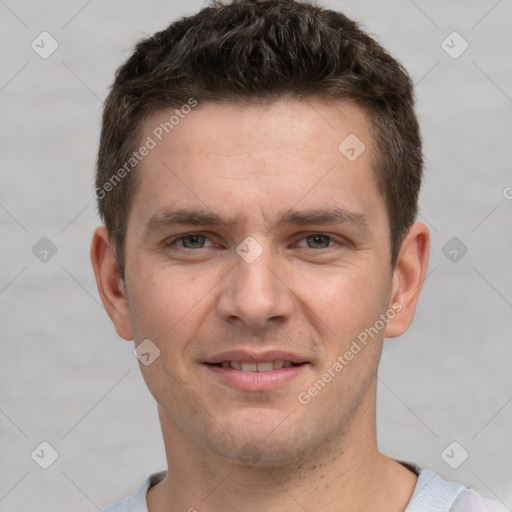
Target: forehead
270,126
262,156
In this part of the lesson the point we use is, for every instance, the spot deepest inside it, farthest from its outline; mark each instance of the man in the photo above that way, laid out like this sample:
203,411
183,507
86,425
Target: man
258,176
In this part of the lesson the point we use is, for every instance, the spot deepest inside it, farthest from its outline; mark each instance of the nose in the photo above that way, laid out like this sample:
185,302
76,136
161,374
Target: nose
255,294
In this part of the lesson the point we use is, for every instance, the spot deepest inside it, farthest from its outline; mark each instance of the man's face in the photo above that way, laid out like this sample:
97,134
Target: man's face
281,278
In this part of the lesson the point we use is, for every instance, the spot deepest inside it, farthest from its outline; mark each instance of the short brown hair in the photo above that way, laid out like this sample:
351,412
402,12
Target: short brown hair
250,51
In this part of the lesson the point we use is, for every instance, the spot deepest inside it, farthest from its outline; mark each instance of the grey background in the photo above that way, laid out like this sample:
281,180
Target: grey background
66,378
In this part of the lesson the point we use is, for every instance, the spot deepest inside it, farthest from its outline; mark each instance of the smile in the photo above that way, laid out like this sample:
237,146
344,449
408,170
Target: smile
251,366
255,376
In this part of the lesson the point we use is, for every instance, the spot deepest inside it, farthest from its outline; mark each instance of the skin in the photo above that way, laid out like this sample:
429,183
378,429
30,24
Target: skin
197,297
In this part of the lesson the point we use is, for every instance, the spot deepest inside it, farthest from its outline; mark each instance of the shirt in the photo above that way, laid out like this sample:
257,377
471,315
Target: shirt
431,494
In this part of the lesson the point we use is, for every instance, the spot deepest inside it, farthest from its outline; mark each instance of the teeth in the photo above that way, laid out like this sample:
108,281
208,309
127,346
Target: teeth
249,366
264,367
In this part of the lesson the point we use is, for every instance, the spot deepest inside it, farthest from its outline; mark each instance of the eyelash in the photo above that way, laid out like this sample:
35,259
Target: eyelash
171,242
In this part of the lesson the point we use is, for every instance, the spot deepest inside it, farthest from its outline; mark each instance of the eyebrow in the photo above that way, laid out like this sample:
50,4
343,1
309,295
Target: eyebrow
199,217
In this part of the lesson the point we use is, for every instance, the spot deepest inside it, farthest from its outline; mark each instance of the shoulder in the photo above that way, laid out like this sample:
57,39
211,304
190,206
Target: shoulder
470,501
435,494
136,502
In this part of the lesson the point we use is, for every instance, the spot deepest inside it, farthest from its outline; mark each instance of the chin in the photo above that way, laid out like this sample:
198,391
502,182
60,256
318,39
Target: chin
262,455
266,440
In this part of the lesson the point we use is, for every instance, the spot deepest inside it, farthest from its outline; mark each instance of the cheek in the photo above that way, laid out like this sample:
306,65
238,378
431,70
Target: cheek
160,298
344,301
166,309
171,306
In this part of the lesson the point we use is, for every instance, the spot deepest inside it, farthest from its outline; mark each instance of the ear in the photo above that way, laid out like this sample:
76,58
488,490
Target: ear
109,282
408,276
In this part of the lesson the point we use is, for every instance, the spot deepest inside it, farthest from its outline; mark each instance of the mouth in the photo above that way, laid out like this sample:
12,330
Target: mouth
253,371
251,366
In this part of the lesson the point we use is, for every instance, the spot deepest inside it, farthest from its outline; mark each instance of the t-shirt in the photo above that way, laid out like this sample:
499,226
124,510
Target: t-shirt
431,494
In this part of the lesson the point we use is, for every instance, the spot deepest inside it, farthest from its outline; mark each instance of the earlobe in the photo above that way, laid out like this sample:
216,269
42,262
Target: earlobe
109,283
408,276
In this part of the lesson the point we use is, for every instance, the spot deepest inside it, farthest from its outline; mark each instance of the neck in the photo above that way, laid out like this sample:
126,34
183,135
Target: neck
346,473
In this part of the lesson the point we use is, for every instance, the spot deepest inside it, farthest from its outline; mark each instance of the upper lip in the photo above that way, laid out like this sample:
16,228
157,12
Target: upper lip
255,356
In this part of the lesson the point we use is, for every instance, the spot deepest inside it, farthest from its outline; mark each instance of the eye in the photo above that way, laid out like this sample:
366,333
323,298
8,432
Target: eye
318,241
193,241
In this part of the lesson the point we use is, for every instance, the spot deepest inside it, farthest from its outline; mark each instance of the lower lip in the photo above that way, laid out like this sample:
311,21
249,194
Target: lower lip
256,381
